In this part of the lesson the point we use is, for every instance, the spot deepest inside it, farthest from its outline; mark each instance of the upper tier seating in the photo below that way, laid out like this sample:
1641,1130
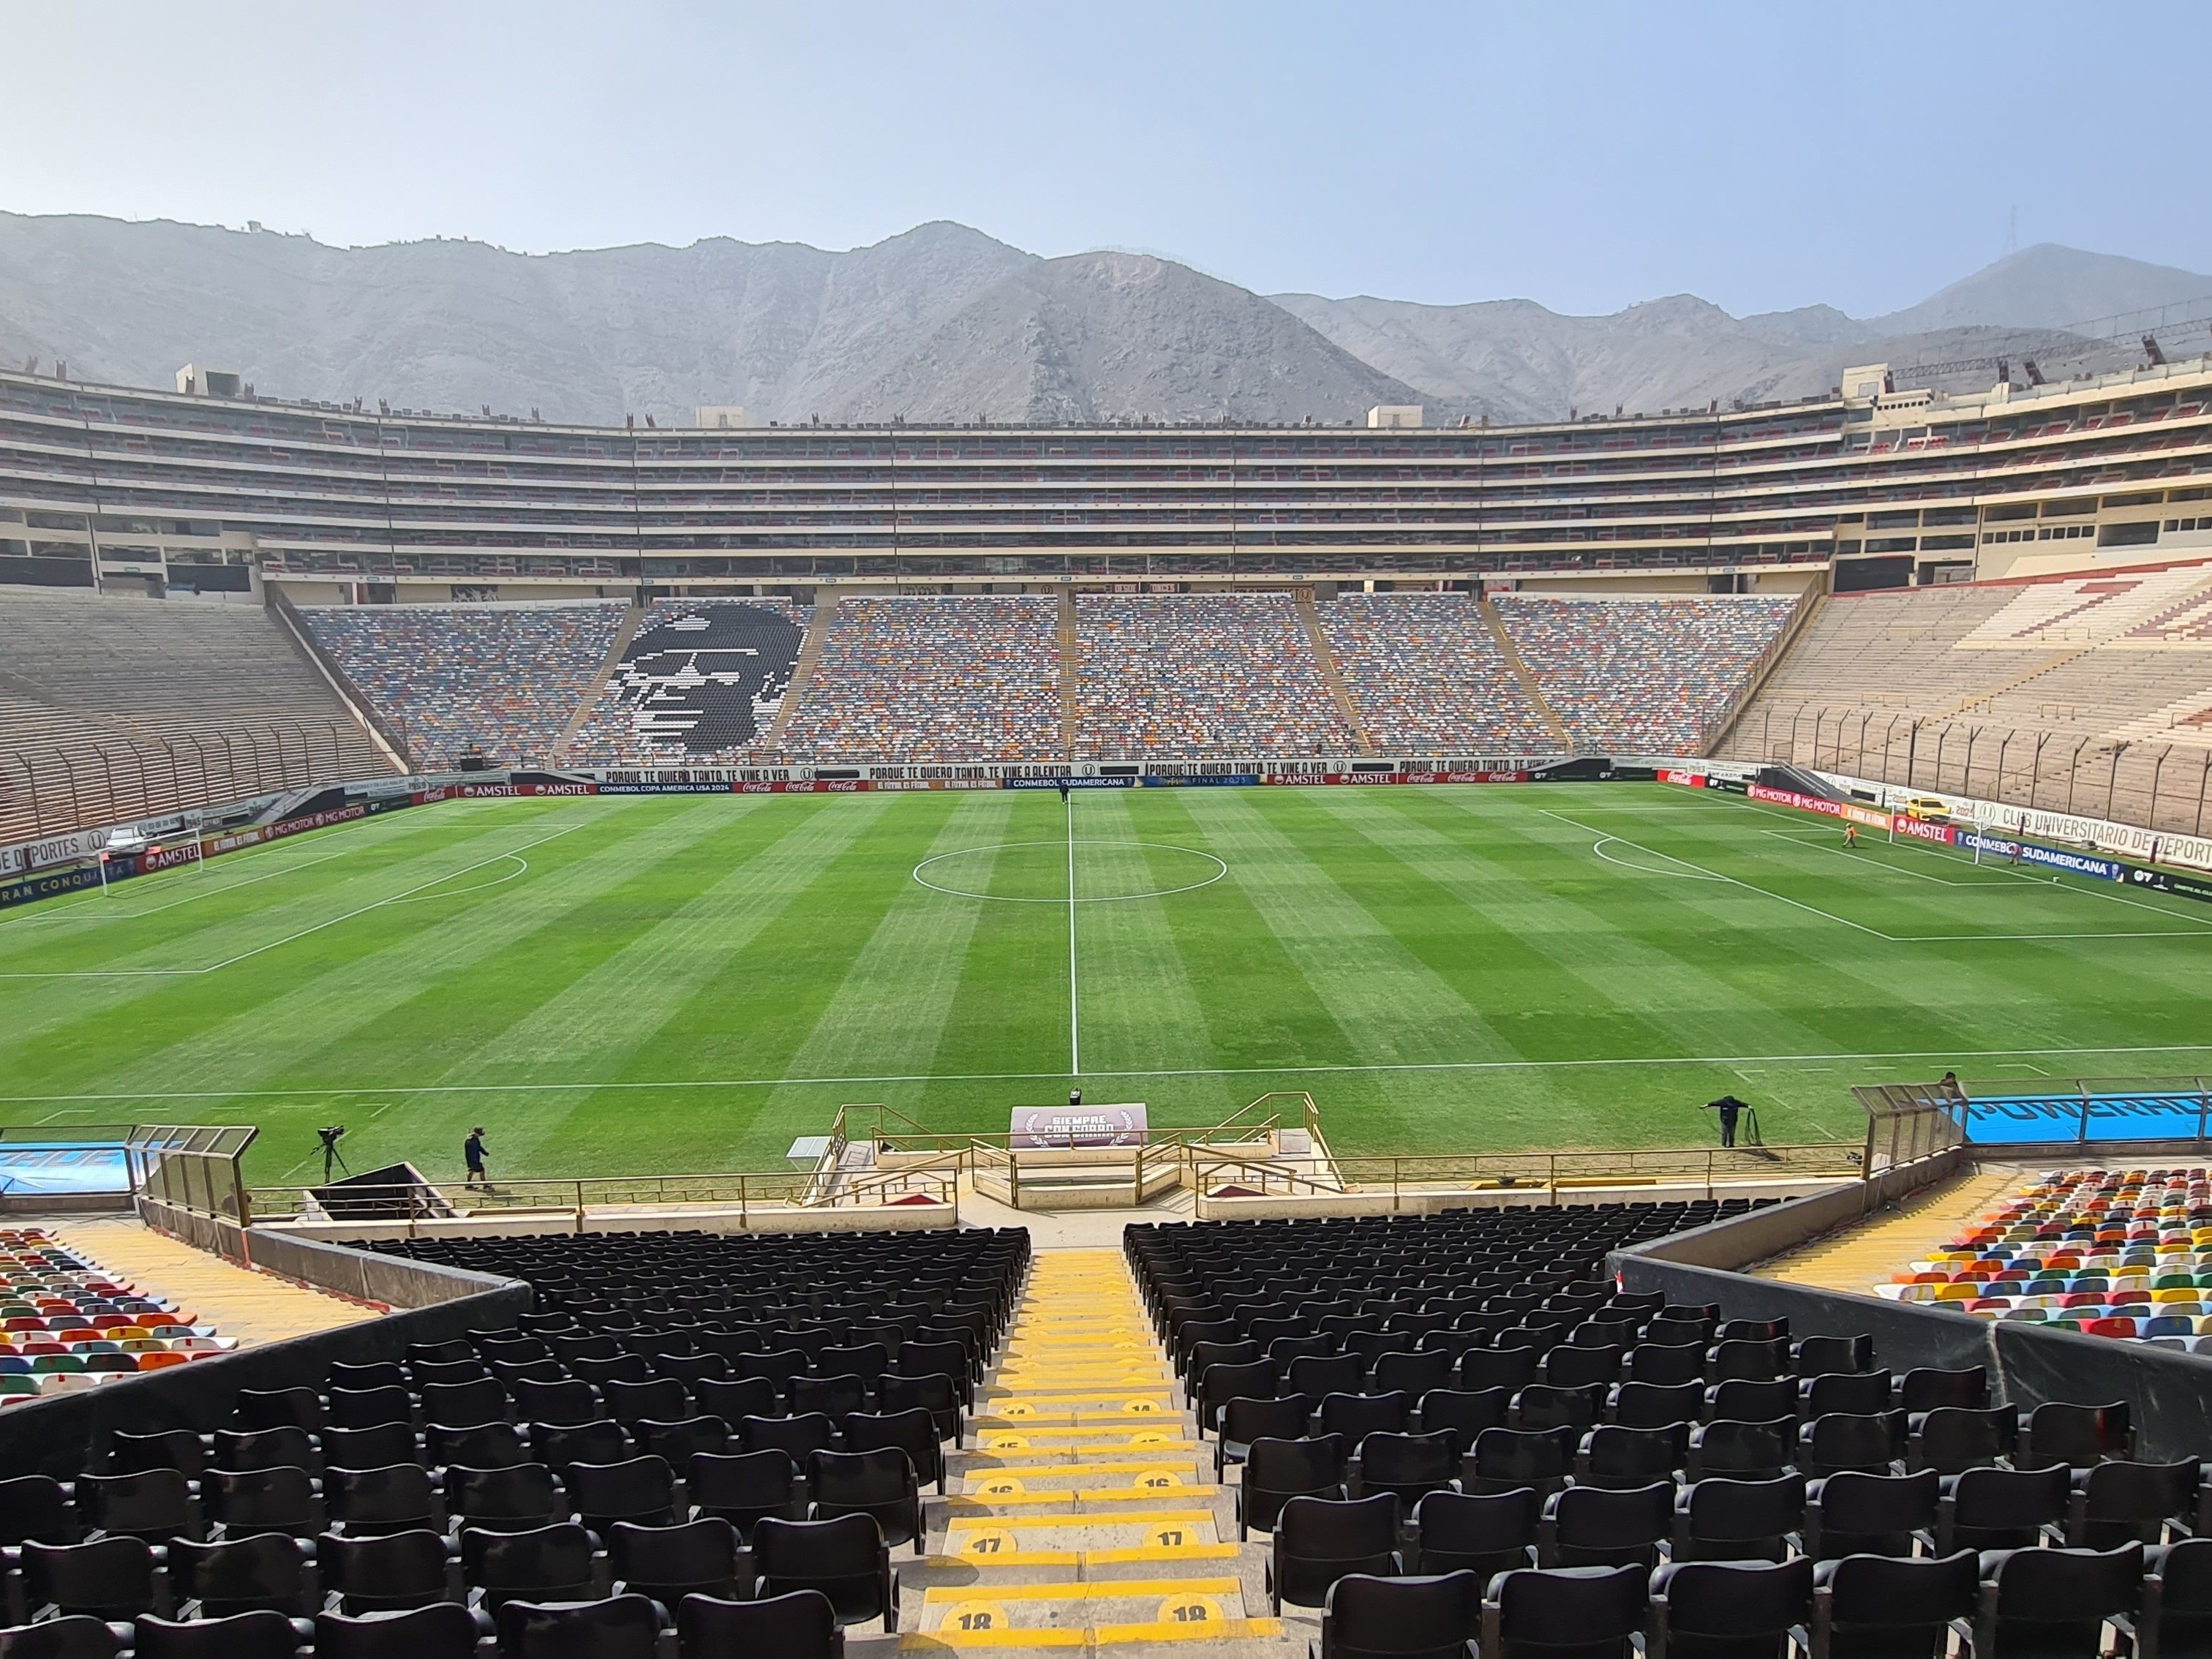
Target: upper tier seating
501,679
2111,1253
934,679
1427,676
100,698
2062,693
65,1324
1200,675
700,683
1642,676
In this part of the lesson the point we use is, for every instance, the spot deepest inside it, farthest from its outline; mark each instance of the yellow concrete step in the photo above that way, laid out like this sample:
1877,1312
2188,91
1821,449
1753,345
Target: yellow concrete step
1101,1529
1043,1477
1079,1605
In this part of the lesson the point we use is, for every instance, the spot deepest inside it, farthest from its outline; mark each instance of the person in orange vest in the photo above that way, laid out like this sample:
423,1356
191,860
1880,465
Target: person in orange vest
1851,835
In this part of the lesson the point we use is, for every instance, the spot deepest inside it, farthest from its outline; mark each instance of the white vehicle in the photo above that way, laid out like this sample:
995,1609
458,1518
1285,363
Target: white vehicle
122,842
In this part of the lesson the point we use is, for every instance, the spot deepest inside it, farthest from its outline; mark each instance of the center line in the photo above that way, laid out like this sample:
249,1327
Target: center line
1074,1017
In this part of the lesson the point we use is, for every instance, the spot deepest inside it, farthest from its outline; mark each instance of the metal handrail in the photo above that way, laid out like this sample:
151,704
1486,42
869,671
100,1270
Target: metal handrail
1532,1172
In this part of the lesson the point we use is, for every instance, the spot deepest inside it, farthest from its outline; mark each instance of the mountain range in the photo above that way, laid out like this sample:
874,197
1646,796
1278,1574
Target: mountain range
945,323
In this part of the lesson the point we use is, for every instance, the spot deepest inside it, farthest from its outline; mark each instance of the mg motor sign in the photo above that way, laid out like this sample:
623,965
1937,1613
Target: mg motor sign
1038,1128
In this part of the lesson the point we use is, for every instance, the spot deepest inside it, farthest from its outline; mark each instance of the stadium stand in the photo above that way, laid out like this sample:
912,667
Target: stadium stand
2114,1253
2065,693
113,709
499,680
1427,676
1192,676
1646,676
701,680
65,1324
934,679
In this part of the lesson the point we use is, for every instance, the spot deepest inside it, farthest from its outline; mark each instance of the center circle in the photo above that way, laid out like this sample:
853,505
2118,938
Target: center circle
1037,872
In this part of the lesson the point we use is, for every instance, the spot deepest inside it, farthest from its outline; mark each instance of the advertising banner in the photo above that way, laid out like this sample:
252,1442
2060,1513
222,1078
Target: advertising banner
53,885
1390,777
2171,881
1209,780
1688,779
2050,858
1850,811
1944,835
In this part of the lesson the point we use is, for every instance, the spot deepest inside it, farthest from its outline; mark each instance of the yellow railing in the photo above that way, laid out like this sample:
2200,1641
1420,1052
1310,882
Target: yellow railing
1206,1171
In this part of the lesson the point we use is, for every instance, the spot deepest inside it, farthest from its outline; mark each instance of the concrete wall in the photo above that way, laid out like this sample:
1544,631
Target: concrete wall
877,1219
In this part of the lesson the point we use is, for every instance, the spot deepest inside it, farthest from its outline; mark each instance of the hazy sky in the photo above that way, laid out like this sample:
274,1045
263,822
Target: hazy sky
1586,155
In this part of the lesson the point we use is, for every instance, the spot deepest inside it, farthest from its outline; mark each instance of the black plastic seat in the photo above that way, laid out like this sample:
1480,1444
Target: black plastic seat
36,1506
1572,1365
1483,1533
1868,1443
1924,1387
801,1436
1729,1609
383,1573
844,1558
664,1400
546,1564
154,1504
1722,1519
363,1408
1614,1455
2176,1614
254,1634
620,1627
913,1432
78,1635
1276,1471
373,1374
1748,1451
879,1483
282,1499
1816,1356
1366,1617
947,1359
1859,1393
1952,1439
462,1405
1503,1459
1220,1384
279,1408
568,1400
1319,1376
1318,1542
1748,1356
165,1448
797,1625
640,1490
1598,1526
629,1368
444,1630
1757,1400
107,1577
934,1393
2044,1602
2080,1437
1411,1465
1464,1412
1666,1366
1590,1613
1510,1369
239,1575
2003,1509
835,1397
1245,1420
699,1558
2118,1501
1356,1416
520,1498
1871,1607
1414,1374
1656,1405
283,1447
735,1397
854,1359
375,1447
1857,1514
556,1445
1549,1406
745,1487
398,1497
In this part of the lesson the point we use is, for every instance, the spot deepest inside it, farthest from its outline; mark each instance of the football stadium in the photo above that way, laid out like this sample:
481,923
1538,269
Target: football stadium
713,1041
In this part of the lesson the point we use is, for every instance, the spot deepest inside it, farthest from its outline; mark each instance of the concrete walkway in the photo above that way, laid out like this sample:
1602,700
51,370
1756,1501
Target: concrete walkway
1869,1255
253,1307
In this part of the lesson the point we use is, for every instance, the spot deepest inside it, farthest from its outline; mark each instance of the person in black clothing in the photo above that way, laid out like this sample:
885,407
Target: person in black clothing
1063,791
1729,1107
472,1150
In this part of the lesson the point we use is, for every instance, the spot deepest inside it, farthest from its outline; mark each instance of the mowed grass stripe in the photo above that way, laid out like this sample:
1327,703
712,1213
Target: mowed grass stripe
419,958
890,1013
59,1030
1388,1004
1139,1003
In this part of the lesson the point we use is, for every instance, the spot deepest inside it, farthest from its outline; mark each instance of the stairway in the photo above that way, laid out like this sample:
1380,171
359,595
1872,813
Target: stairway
633,619
802,670
1071,663
1332,677
1084,1516
1523,673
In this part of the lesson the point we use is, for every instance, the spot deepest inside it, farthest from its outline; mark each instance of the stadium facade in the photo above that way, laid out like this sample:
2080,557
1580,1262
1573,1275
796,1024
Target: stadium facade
142,491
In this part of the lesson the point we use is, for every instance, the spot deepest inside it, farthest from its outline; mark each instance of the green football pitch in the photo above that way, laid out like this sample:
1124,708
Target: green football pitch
616,986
